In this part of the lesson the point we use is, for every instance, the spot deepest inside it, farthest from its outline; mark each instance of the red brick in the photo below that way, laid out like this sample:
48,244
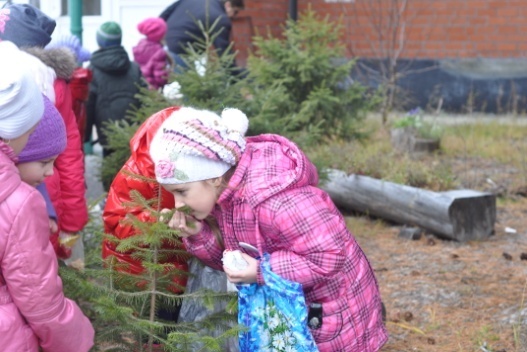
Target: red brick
435,28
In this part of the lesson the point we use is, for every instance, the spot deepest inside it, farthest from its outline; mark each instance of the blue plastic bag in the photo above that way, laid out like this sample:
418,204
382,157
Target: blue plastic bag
275,313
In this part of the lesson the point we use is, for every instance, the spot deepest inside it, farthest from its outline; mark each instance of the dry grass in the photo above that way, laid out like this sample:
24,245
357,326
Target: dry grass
443,295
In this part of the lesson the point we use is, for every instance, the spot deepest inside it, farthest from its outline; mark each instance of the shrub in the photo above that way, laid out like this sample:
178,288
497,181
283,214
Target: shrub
415,121
300,85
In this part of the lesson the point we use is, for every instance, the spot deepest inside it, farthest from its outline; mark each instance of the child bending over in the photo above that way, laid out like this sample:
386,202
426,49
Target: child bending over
263,191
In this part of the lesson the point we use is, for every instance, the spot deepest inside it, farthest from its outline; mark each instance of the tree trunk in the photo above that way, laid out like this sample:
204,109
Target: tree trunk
461,215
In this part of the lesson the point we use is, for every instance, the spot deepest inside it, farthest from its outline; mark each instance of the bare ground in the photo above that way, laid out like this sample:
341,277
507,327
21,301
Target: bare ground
449,296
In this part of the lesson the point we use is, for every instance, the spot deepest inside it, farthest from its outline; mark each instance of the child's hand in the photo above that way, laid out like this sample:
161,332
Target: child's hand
182,222
245,276
53,227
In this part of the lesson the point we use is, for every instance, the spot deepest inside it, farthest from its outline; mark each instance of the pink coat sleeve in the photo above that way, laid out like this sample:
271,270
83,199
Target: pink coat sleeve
205,246
67,186
30,271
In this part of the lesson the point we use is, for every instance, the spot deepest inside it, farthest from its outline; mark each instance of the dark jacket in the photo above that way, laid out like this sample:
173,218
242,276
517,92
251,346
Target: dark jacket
115,83
181,20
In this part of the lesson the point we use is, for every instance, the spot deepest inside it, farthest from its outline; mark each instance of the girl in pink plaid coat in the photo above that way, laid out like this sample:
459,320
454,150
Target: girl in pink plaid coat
267,183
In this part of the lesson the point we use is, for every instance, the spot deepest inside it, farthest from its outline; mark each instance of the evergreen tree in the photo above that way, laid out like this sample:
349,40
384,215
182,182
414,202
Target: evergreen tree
300,84
124,307
208,81
296,87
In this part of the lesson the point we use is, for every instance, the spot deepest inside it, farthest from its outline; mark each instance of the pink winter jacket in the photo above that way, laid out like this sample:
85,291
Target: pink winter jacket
33,309
274,188
153,60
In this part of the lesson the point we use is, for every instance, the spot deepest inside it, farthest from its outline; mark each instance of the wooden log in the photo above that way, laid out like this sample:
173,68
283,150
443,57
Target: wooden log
461,215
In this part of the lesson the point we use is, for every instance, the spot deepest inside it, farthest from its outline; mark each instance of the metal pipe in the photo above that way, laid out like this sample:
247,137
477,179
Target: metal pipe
293,10
75,13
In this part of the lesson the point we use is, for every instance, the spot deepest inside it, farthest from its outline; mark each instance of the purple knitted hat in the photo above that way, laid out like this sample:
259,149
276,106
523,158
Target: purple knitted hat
25,25
195,145
48,139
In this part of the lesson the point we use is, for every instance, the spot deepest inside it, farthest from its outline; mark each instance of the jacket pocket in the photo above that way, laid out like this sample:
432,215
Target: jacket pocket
332,321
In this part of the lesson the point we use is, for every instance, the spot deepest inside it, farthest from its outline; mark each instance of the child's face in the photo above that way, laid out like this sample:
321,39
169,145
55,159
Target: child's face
34,172
200,196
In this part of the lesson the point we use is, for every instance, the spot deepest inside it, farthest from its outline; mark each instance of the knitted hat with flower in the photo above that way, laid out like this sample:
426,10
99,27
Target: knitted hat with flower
195,145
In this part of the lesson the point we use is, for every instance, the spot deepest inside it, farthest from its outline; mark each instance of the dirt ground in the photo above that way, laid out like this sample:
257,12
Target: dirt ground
448,296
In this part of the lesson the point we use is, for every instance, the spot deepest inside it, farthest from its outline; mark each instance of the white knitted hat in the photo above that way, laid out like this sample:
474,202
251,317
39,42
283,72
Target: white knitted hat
195,145
21,102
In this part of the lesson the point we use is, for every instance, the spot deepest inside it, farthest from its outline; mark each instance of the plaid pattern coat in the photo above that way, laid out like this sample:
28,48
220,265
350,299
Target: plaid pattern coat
274,190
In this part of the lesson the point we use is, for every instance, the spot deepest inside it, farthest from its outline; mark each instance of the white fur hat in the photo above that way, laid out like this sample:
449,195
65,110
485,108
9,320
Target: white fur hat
194,145
21,102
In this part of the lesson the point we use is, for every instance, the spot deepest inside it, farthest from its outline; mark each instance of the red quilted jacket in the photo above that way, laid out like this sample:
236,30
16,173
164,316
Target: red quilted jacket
139,163
66,187
80,89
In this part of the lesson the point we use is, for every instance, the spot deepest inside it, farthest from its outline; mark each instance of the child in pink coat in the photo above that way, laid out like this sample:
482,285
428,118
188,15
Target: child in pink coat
34,314
263,191
150,54
29,28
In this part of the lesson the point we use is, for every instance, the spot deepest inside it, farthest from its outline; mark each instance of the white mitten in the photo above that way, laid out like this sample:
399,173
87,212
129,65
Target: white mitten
234,260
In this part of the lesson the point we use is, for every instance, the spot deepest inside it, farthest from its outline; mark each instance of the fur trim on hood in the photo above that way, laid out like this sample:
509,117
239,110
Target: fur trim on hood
62,60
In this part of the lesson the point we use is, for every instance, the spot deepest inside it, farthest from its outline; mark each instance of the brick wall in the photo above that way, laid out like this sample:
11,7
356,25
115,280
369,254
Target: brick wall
258,17
434,29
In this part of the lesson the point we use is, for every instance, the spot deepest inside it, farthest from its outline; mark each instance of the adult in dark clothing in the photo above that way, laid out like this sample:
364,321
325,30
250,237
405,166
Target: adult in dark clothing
114,85
182,19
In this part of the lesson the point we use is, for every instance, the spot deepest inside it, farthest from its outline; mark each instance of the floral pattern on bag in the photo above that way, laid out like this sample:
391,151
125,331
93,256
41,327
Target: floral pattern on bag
275,313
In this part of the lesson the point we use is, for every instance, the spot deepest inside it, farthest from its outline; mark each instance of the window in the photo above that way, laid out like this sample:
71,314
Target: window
89,7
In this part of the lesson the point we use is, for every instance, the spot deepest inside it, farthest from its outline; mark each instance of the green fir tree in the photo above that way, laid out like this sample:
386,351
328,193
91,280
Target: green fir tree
124,307
209,82
300,84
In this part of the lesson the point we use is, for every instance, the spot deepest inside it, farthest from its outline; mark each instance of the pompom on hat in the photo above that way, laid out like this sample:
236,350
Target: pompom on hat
195,145
25,25
109,34
154,28
21,104
48,139
73,43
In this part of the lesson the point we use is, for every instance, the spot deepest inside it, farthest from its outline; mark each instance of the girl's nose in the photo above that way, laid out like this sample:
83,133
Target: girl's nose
48,172
178,204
